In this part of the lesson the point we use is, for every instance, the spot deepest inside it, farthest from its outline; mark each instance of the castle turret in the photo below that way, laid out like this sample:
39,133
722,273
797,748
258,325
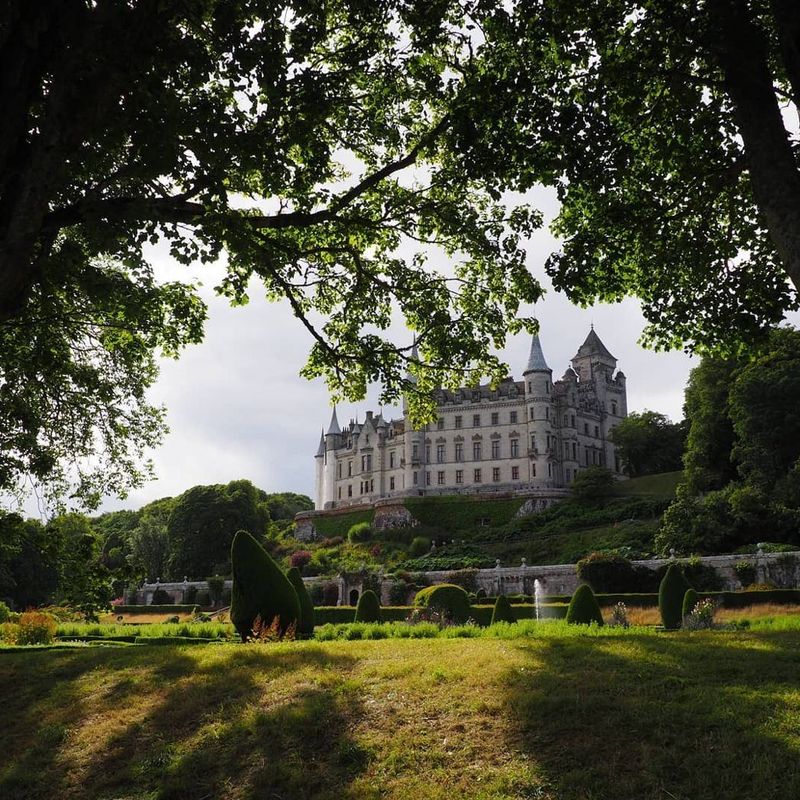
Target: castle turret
329,465
538,379
319,466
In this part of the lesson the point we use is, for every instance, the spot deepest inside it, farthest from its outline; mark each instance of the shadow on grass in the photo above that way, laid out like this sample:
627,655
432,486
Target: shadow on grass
705,717
173,722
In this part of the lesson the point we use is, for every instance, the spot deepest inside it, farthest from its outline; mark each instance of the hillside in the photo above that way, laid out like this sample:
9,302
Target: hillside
472,532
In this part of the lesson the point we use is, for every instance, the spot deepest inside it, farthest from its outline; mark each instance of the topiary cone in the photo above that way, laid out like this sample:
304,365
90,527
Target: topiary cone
305,625
690,600
368,608
670,597
259,588
502,610
583,607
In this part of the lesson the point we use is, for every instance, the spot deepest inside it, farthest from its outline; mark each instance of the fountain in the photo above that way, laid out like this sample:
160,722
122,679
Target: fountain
538,593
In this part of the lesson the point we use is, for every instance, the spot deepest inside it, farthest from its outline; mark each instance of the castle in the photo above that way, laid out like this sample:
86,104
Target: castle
533,434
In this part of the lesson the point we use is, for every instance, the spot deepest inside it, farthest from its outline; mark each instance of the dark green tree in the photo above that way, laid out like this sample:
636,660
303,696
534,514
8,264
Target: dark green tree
671,592
593,485
503,612
305,626
368,608
260,589
690,599
648,443
583,607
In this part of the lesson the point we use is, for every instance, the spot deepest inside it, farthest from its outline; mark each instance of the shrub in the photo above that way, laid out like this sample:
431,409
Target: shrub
203,599
670,597
216,586
161,598
8,632
701,617
745,572
398,593
583,607
305,625
606,572
419,546
503,611
702,577
465,578
191,595
333,541
5,612
449,600
689,602
300,558
34,627
368,608
316,594
360,532
480,594
619,616
260,589
330,594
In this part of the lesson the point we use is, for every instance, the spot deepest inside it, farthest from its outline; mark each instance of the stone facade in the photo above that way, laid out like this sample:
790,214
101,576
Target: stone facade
521,435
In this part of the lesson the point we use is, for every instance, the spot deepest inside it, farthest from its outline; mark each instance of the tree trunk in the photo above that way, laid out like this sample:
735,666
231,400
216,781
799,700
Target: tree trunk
740,49
787,23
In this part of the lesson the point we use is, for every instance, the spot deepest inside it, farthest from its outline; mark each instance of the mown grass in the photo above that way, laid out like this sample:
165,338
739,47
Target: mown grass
200,630
662,485
578,717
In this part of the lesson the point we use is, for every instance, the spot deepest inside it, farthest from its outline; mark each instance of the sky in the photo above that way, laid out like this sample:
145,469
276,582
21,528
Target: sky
237,407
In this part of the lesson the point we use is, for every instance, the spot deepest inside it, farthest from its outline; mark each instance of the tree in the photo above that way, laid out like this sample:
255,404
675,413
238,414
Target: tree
660,126
312,146
670,597
150,546
648,443
593,485
583,607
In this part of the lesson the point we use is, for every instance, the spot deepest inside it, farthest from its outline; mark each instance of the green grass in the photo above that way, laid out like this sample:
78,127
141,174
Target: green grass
662,485
459,515
575,715
339,525
199,630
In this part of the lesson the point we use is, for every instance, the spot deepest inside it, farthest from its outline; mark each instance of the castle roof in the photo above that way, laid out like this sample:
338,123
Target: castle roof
321,448
536,362
334,426
593,347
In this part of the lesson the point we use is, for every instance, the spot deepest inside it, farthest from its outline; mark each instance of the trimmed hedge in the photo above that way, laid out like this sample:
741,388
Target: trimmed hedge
174,609
584,608
502,611
448,599
728,599
259,588
689,602
324,615
305,625
670,597
368,608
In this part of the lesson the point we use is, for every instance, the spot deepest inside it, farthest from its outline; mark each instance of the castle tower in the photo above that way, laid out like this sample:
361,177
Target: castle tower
319,467
414,446
329,463
538,378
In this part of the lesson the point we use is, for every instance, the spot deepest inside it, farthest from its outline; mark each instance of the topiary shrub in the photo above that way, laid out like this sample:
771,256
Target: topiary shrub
216,587
419,546
305,625
260,589
190,596
583,607
690,599
368,608
608,572
670,597
449,600
161,598
398,593
360,532
502,611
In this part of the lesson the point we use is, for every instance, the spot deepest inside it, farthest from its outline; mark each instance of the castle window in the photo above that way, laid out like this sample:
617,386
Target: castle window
533,470
476,451
547,386
349,469
440,477
440,423
514,448
586,428
514,473
416,478
339,470
350,490
512,417
476,420
495,418
458,422
614,407
391,459
459,451
574,451
594,456
415,451
496,474
427,478
547,412
459,476
372,485
566,420
439,453
529,387
391,484
596,431
573,420
496,448
427,454
568,475
476,477
549,470
533,442
476,396
587,456
340,492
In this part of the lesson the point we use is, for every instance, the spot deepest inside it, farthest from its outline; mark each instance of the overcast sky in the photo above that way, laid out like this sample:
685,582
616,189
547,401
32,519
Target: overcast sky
237,407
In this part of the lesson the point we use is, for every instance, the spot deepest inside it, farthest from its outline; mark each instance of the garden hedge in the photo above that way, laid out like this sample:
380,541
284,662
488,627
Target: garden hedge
584,608
448,599
305,626
260,588
670,597
368,608
172,609
502,611
689,602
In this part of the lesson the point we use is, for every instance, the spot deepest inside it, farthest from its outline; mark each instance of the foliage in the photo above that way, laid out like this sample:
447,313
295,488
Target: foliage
5,612
606,572
360,532
161,598
690,600
701,616
503,612
216,587
647,443
149,541
300,558
273,631
305,624
35,627
460,514
670,597
583,607
260,589
420,545
398,593
467,579
619,616
450,600
593,485
368,608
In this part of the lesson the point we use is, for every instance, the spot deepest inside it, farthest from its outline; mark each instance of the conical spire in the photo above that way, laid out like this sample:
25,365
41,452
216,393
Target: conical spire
413,357
592,346
334,426
536,362
321,448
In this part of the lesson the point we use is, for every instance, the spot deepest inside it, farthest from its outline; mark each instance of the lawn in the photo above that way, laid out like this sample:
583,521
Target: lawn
625,715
